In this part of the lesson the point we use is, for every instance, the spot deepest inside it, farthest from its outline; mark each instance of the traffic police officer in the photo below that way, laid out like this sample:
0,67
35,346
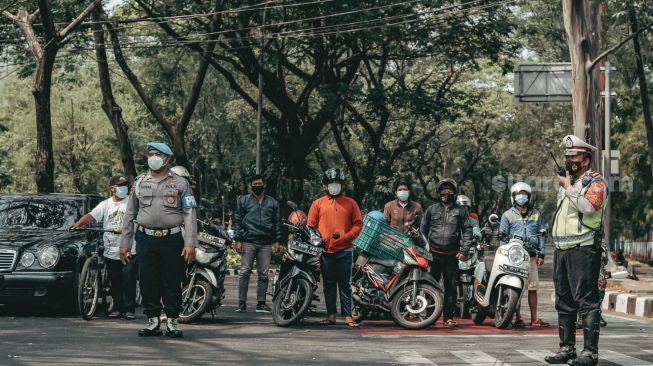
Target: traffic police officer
577,233
159,205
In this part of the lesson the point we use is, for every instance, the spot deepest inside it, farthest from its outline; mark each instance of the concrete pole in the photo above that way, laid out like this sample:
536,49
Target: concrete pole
259,112
607,163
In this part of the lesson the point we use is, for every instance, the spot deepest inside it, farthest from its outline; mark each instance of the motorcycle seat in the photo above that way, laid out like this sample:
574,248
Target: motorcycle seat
383,262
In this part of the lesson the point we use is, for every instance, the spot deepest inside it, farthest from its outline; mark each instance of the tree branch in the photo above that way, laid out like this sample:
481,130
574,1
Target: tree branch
600,57
66,31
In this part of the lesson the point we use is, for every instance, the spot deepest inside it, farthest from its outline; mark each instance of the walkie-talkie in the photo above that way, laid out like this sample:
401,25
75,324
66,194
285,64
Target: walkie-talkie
559,170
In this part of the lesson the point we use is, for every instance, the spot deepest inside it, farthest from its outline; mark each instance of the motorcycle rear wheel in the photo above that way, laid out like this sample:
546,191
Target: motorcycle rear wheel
432,308
506,307
291,302
478,315
359,313
197,303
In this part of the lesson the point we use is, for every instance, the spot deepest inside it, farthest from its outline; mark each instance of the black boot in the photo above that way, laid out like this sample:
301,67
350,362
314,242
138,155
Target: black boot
591,329
567,333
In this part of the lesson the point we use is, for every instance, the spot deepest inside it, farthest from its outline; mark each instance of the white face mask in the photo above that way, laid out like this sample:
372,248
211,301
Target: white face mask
334,188
403,195
155,162
521,199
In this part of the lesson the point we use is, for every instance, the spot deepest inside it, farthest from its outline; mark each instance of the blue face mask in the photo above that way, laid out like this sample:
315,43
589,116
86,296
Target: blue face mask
122,191
521,199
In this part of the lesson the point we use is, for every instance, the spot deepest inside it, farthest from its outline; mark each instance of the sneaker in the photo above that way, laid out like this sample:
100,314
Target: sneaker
242,307
114,314
172,329
263,308
151,329
130,316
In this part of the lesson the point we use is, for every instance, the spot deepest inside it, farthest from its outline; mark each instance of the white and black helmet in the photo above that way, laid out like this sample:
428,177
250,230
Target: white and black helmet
518,187
463,200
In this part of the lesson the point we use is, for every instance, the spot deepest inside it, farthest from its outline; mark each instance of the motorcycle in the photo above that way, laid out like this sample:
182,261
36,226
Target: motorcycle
497,293
465,298
404,288
203,288
294,288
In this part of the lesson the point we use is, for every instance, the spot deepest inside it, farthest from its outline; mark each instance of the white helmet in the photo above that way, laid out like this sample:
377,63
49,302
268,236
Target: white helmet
464,200
180,171
518,187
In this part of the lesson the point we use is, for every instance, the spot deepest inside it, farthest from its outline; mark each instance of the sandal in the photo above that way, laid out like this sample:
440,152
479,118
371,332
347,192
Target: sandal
519,323
327,322
352,324
539,323
450,323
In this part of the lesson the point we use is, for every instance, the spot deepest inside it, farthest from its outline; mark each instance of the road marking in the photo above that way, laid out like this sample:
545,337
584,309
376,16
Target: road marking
536,354
410,358
647,351
478,358
621,359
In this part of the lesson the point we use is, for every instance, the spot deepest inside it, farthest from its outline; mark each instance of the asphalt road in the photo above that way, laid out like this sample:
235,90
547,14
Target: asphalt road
30,337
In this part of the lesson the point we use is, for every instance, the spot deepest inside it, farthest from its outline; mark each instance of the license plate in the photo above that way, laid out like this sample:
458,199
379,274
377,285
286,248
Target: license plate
210,239
516,270
305,248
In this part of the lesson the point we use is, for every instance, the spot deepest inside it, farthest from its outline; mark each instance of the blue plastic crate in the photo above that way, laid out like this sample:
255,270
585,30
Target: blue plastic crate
381,240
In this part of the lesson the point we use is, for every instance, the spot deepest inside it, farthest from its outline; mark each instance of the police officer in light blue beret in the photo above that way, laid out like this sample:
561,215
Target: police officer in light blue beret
159,205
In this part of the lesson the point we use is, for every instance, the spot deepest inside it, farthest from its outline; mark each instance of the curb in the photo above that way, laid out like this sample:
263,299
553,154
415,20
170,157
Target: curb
631,304
234,272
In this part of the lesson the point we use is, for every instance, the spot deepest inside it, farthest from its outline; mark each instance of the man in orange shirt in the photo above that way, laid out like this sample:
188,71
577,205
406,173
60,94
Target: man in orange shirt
339,221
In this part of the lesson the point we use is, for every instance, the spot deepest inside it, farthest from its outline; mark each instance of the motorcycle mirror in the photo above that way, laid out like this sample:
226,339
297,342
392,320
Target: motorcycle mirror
543,233
293,206
493,219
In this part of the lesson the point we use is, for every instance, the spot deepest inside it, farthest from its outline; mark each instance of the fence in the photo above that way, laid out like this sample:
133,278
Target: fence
639,250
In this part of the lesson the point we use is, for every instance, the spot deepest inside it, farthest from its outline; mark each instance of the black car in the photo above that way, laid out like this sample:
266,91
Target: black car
39,260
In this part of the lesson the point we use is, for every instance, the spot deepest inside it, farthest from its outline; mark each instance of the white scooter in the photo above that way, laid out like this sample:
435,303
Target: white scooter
498,292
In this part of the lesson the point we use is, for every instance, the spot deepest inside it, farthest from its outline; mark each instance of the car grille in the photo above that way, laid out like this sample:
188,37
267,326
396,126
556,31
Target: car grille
7,259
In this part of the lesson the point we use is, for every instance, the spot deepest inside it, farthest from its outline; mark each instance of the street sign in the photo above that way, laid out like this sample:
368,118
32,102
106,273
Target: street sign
542,83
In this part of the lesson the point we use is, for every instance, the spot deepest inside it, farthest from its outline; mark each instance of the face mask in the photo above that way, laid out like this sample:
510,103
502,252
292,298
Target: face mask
334,188
521,199
257,190
572,167
447,198
403,195
155,162
121,191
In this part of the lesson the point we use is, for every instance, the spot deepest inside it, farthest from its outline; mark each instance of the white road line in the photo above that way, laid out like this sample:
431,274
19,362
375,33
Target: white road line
410,358
647,350
478,358
621,359
536,354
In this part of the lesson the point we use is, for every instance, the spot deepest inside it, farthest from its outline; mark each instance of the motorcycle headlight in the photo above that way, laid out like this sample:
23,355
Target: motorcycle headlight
516,256
27,259
463,266
202,256
408,258
316,240
48,256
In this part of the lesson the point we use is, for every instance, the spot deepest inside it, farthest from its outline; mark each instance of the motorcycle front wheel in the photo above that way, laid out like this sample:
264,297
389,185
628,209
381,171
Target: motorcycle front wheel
506,307
463,301
291,302
425,312
197,298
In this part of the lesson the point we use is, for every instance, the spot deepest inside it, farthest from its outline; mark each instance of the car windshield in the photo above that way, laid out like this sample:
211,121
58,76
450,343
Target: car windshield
41,213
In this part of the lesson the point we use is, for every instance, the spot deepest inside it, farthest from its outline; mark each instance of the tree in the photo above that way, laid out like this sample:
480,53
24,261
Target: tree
44,54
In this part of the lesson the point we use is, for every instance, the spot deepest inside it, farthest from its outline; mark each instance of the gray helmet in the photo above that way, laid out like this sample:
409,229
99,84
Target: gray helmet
180,171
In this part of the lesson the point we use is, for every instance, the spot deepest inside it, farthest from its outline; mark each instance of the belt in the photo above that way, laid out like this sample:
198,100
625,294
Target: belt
159,232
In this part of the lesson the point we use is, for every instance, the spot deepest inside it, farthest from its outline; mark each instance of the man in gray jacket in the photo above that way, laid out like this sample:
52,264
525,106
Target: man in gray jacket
257,229
449,231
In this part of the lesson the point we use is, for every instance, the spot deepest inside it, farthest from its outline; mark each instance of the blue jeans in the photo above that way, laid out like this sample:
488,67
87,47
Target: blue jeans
336,271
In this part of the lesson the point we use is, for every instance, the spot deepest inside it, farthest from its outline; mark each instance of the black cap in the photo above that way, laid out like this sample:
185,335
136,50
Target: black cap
118,180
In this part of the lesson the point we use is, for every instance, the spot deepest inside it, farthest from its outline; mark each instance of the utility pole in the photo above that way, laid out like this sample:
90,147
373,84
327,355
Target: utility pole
259,114
607,164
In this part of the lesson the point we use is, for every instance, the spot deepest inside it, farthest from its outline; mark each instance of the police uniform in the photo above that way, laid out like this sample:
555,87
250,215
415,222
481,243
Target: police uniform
577,234
159,208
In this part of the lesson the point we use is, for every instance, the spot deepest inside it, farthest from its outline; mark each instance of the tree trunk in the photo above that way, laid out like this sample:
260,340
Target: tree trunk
109,104
643,87
44,164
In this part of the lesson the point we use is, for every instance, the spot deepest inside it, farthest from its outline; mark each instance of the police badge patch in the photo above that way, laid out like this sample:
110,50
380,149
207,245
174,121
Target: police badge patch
568,142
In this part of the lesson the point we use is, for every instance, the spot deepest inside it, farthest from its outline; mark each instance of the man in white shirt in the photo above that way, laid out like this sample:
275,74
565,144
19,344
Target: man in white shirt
110,213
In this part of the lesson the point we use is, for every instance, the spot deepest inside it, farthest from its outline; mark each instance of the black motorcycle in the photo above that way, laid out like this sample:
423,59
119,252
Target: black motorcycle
203,287
294,289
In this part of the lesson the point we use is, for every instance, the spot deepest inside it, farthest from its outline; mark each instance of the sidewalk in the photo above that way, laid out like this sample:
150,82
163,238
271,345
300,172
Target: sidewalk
629,296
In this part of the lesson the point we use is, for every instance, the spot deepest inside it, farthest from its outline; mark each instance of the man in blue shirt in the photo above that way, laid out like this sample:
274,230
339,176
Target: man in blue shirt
526,222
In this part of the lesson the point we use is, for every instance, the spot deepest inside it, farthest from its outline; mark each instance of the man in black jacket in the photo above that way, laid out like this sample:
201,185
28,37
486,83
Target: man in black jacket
257,228
449,231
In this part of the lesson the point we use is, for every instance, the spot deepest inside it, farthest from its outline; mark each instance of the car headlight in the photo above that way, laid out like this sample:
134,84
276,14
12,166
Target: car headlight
27,259
516,256
49,256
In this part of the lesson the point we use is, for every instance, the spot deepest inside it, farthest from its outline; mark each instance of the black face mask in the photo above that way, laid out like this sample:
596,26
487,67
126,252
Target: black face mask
257,190
447,198
572,167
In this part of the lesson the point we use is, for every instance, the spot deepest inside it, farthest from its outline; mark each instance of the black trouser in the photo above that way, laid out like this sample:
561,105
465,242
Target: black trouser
123,284
336,272
446,266
162,270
